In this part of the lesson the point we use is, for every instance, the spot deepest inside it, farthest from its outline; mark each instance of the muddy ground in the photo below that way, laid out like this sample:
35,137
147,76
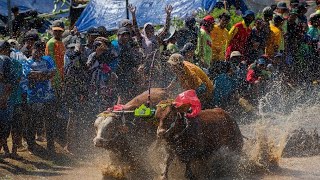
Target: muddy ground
65,166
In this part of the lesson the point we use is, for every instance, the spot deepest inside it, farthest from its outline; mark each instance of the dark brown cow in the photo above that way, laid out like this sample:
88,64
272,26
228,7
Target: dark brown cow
214,128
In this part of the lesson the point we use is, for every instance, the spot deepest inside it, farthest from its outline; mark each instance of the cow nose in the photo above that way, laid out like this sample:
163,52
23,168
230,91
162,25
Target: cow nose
98,142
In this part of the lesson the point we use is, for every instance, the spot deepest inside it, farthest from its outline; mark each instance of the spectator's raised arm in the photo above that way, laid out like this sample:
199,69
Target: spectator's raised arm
135,26
166,28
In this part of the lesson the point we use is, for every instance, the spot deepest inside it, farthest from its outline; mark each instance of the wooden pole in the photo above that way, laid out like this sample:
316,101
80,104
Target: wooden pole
9,17
127,10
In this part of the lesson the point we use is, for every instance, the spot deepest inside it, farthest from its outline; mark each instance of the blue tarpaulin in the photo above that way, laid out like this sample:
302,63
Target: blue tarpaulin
109,12
42,6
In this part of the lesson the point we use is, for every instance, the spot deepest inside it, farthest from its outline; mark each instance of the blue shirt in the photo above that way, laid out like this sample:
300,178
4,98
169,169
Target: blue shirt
19,60
6,67
224,87
41,91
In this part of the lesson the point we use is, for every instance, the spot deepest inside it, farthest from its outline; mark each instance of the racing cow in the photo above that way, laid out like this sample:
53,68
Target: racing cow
194,137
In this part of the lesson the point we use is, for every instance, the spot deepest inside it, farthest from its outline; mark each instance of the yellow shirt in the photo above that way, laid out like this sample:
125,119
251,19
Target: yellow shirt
194,77
219,41
274,41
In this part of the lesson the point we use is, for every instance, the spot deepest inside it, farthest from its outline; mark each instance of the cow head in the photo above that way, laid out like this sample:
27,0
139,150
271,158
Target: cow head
169,118
109,127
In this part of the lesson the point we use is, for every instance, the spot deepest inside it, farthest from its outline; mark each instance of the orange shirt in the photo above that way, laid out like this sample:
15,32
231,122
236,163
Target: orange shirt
56,50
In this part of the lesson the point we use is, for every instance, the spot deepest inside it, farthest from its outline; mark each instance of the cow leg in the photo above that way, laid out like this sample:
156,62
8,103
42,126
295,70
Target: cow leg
189,174
168,160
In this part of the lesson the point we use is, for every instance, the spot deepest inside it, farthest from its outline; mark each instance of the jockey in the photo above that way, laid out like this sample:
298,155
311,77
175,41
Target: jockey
191,76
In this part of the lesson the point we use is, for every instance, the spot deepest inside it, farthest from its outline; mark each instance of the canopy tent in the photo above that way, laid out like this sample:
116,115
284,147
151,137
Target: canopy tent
41,6
109,12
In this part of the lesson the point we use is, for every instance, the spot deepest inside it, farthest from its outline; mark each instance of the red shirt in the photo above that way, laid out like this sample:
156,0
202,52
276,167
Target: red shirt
238,34
251,76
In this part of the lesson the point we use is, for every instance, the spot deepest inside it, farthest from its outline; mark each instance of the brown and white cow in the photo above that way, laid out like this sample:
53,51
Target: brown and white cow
214,128
124,134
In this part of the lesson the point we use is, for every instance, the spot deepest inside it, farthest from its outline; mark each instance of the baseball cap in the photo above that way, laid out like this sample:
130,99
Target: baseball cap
282,5
235,54
248,13
57,25
267,11
125,23
208,19
93,31
123,30
294,1
175,59
261,61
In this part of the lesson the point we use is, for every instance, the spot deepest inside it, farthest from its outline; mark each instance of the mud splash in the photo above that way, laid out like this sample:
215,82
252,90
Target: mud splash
281,113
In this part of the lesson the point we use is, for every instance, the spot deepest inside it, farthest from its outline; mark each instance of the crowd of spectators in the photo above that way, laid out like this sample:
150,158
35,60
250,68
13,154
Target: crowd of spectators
48,89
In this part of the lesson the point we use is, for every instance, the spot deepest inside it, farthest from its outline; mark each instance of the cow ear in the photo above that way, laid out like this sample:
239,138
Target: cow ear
183,108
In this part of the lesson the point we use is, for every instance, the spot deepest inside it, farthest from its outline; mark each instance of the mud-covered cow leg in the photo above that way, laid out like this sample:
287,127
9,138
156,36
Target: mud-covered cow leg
189,174
168,160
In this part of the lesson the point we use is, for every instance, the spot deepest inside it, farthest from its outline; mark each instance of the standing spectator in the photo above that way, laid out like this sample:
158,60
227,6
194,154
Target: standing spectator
204,51
129,60
41,96
187,34
225,86
28,40
291,38
18,22
7,82
239,34
302,9
294,4
18,100
148,40
314,33
256,42
267,17
220,36
56,50
276,37
282,9
92,34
